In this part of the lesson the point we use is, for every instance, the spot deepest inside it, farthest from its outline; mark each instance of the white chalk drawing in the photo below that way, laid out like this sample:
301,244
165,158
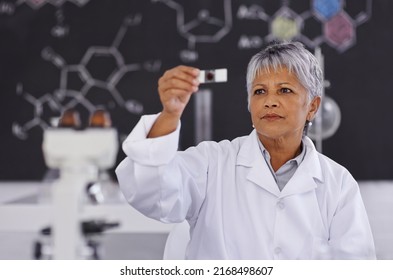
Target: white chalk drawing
64,98
335,26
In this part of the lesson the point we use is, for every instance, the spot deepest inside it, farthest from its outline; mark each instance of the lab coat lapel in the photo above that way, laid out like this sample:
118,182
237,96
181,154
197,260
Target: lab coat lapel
251,157
308,171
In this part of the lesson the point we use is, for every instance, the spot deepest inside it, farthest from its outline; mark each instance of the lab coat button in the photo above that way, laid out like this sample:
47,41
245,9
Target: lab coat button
277,250
281,205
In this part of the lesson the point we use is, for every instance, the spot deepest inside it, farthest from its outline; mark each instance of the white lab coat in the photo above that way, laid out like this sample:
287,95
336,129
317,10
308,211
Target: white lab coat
229,197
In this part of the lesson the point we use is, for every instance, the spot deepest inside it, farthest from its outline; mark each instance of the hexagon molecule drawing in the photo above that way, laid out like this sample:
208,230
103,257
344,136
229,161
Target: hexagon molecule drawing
101,87
338,28
187,29
335,23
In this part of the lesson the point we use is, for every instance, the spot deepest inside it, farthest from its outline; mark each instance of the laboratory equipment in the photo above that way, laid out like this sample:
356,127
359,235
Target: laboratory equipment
79,155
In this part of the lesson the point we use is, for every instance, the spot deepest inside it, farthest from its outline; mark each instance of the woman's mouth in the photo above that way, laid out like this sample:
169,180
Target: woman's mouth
271,117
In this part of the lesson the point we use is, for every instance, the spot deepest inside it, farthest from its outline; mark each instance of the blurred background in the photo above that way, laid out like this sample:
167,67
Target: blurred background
85,55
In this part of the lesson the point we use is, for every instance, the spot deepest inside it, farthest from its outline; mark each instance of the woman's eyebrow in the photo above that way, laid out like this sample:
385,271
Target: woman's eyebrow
278,84
284,83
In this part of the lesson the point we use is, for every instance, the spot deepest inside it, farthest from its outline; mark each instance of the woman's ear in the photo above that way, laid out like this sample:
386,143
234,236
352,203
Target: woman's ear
313,108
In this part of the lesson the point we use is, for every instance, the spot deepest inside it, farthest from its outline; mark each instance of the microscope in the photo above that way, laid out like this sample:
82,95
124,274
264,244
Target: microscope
79,155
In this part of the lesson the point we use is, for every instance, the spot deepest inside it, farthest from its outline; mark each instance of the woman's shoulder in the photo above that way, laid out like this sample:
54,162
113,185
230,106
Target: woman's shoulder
329,167
334,170
326,162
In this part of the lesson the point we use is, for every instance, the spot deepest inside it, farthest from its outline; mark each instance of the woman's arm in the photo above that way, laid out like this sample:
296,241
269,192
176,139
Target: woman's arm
175,88
350,231
157,180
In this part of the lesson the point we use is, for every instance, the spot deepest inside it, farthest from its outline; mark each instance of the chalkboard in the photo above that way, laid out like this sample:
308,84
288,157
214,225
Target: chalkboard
86,54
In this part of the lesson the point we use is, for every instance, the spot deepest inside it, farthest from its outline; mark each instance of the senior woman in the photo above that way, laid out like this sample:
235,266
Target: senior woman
268,195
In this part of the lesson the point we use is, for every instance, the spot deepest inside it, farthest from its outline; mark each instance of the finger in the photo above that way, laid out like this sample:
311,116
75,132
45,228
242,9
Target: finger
185,73
175,83
192,71
175,93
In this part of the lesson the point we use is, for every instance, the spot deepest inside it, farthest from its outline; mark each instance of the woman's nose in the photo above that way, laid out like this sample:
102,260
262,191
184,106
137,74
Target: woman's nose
270,102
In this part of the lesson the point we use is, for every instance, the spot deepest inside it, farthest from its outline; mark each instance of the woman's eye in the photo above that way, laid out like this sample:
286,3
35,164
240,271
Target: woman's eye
286,90
259,91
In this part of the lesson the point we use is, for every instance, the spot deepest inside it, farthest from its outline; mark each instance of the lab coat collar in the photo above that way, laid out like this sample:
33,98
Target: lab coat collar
307,172
302,181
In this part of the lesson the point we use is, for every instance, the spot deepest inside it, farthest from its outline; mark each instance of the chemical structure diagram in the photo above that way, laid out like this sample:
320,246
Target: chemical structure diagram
186,29
60,29
333,22
65,98
335,25
7,7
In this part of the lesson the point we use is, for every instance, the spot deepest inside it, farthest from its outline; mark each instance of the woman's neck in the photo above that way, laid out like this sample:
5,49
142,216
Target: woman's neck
281,150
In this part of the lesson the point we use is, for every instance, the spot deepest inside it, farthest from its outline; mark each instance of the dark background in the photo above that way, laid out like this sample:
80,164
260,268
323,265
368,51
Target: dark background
360,75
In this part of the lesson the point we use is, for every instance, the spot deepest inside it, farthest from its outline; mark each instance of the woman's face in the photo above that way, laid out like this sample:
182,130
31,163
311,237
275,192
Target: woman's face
279,105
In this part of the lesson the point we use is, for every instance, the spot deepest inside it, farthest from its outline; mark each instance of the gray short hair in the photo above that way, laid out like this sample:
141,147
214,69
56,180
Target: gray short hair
295,57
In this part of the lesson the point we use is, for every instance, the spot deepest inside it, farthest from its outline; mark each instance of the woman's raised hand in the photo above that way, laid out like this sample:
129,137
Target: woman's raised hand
175,88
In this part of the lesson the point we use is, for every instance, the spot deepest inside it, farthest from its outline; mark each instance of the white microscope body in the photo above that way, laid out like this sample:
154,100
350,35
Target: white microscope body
79,155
